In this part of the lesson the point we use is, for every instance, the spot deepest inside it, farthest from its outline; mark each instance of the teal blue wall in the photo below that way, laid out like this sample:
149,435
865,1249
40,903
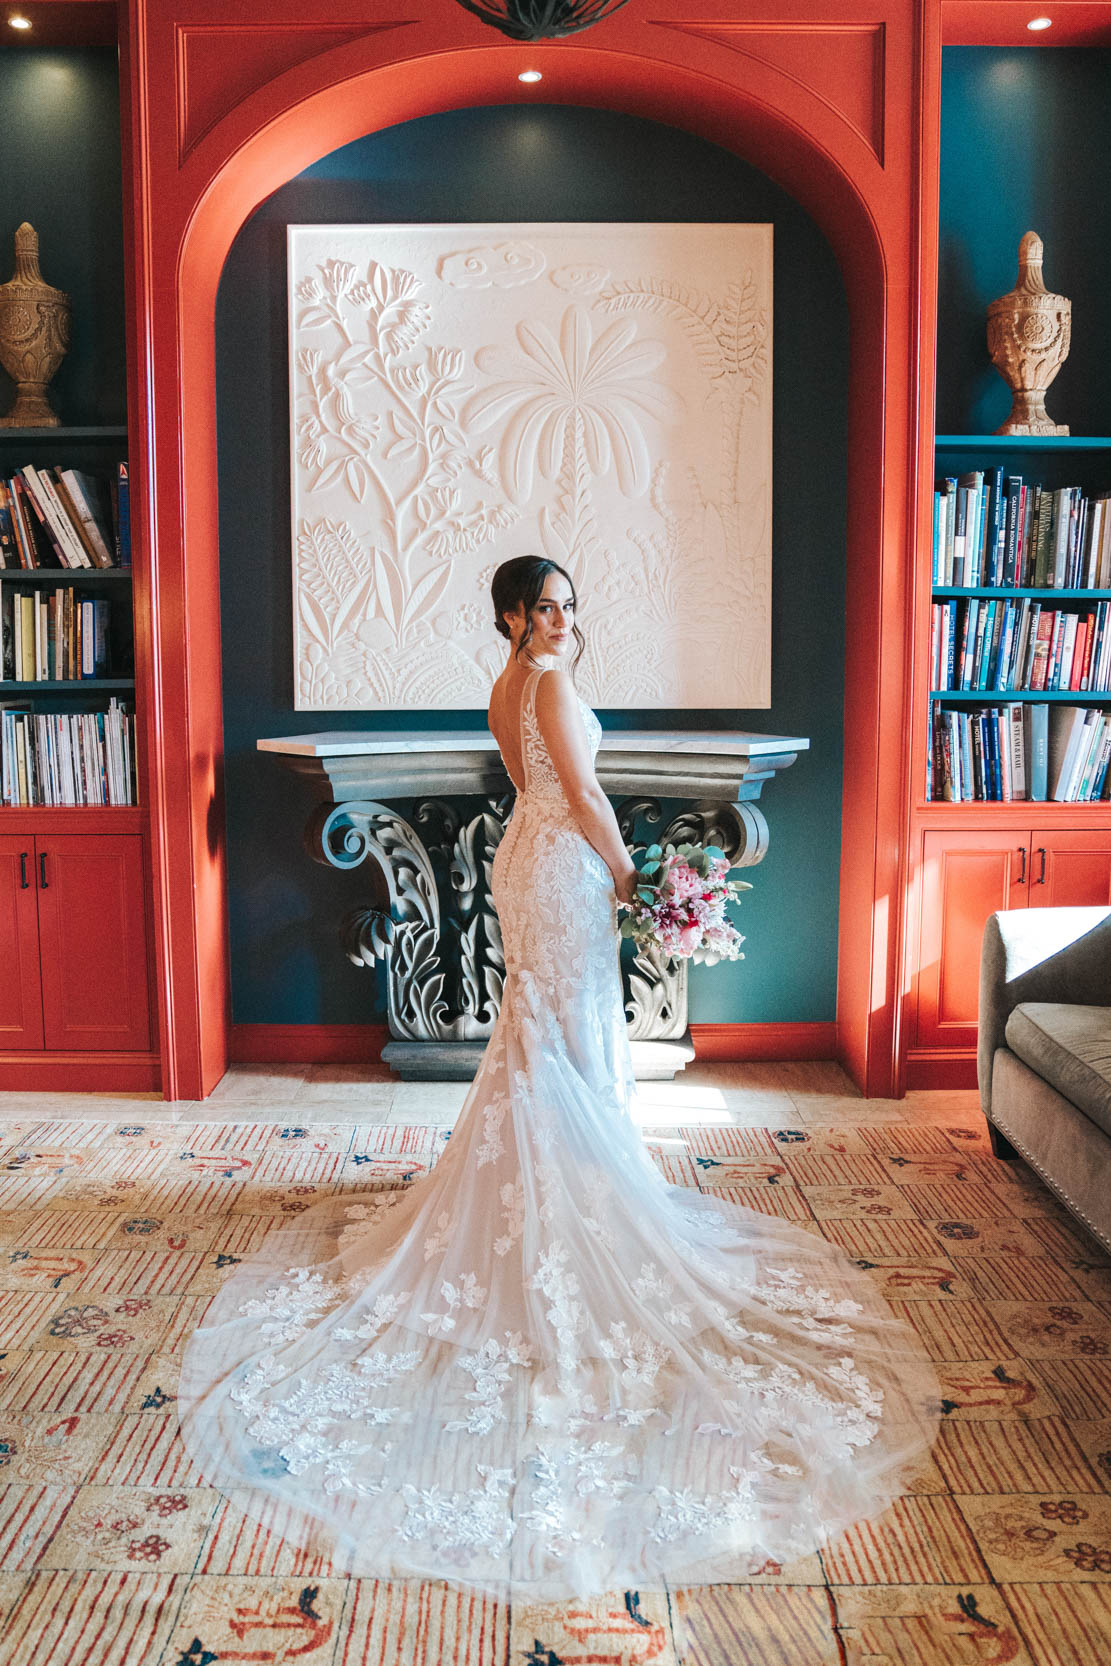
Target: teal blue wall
1025,146
66,103
540,163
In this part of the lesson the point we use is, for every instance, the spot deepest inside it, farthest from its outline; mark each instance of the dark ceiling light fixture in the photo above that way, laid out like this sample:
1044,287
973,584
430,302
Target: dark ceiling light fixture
541,19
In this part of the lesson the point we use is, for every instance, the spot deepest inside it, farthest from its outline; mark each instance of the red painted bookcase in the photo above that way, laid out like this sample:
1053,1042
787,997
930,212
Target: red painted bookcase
840,105
76,962
968,859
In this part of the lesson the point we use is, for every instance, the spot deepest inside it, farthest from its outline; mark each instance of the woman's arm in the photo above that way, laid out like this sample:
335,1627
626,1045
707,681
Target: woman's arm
561,725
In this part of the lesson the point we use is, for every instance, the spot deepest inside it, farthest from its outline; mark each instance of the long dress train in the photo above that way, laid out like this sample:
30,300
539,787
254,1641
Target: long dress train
541,1368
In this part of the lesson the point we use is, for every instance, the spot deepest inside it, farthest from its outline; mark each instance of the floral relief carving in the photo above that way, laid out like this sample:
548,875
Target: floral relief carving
448,407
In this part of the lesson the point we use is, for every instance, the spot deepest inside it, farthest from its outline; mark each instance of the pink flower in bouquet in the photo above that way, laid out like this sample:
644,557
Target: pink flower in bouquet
679,906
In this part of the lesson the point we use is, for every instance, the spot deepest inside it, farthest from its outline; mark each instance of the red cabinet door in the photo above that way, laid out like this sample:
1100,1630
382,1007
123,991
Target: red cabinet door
1070,870
965,877
92,942
20,990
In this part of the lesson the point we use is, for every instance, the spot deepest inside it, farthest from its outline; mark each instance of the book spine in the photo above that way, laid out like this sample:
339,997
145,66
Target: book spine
995,528
937,577
1061,546
1068,650
1017,748
1025,508
991,643
1031,554
123,513
1014,493
1053,667
40,489
1003,654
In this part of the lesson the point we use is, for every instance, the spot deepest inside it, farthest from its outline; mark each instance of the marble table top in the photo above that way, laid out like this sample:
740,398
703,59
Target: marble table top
354,743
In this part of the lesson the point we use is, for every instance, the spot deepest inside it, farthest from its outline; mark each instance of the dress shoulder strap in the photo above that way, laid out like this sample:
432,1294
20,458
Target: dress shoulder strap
528,696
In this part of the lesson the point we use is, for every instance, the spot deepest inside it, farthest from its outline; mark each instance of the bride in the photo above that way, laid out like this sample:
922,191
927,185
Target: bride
541,1369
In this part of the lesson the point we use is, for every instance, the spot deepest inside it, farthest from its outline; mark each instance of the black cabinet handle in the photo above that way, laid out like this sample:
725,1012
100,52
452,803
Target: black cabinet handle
43,882
24,882
1041,873
1022,870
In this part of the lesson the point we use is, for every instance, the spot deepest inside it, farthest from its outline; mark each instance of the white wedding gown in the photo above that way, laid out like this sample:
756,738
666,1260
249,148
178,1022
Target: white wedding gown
541,1368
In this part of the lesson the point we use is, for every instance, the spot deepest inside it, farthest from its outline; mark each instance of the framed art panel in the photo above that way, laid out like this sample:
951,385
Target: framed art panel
596,393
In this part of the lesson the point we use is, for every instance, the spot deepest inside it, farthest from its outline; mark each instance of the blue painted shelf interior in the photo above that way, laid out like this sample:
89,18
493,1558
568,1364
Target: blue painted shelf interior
53,435
1004,696
87,685
1021,442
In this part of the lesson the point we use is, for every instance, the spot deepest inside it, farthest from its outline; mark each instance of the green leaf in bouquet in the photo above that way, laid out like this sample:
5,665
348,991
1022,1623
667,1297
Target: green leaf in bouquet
713,850
626,928
654,850
646,893
650,867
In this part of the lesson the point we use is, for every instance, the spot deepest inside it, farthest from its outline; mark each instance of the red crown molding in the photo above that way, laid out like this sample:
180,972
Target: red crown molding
840,63
220,64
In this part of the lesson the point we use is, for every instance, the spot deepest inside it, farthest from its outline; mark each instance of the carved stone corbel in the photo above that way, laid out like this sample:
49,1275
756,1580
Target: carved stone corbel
430,918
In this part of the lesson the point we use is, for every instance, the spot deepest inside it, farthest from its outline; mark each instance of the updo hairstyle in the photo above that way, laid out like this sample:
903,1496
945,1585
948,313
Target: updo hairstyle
522,580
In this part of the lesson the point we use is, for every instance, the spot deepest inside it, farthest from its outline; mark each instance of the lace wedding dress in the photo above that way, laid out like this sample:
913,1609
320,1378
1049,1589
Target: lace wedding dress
541,1368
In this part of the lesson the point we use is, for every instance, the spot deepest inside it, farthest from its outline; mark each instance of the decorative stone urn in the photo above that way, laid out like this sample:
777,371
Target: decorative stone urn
34,334
1029,332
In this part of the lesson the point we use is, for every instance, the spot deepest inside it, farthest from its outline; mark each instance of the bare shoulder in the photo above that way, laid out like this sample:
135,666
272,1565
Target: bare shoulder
554,690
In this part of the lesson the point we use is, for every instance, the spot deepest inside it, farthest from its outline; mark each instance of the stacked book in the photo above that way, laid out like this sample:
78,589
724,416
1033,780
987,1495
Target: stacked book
1009,645
67,757
56,517
53,636
994,530
1013,751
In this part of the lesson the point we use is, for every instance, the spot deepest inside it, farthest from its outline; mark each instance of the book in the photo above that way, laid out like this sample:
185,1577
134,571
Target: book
1035,724
123,514
67,757
1066,726
43,547
40,490
81,489
9,548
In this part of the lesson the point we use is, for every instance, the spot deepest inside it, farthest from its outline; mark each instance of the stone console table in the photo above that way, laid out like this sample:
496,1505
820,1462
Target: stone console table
430,918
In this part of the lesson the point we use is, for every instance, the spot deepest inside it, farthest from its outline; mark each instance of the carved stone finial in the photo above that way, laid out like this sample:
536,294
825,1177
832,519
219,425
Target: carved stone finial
1029,331
34,334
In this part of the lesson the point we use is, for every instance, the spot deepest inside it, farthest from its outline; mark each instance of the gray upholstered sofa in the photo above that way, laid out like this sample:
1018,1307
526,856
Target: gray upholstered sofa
1044,1060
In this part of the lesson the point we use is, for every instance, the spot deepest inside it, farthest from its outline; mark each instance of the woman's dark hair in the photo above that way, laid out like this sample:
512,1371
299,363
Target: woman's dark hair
522,580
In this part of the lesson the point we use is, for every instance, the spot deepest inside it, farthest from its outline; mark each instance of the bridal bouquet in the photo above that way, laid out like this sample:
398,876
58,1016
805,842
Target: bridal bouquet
679,907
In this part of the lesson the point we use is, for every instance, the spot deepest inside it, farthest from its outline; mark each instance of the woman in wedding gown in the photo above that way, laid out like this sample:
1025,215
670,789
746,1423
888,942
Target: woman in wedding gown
541,1369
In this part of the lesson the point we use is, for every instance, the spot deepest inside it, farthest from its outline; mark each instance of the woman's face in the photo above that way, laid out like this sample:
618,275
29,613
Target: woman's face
552,618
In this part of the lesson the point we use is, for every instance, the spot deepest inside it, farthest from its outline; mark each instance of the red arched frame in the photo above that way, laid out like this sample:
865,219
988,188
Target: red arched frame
190,203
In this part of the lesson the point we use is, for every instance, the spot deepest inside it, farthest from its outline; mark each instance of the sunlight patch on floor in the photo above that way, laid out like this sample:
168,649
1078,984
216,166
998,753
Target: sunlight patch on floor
666,1104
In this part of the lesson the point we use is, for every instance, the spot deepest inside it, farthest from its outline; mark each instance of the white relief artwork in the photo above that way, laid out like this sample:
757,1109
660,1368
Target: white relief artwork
599,394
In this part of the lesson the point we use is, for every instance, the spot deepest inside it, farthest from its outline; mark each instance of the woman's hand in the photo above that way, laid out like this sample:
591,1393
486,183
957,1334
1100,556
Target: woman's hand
626,886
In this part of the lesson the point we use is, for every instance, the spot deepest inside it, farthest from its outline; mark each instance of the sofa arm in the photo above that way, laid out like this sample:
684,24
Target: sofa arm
1038,954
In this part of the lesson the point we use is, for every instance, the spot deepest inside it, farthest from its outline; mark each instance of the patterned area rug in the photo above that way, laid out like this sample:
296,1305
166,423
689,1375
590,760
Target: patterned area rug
114,1234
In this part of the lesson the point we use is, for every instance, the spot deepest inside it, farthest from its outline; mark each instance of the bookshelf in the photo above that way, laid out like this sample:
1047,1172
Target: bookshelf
1011,508
74,866
67,728
1007,164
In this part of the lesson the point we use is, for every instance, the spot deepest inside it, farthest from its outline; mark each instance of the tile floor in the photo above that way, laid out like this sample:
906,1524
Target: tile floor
118,1217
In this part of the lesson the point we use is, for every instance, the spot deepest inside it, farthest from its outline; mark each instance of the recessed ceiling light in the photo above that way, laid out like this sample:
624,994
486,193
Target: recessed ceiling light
530,75
17,21
1040,23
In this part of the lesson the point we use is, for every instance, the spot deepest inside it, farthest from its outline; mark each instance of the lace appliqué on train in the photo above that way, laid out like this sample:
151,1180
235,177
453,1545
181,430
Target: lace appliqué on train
540,1367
